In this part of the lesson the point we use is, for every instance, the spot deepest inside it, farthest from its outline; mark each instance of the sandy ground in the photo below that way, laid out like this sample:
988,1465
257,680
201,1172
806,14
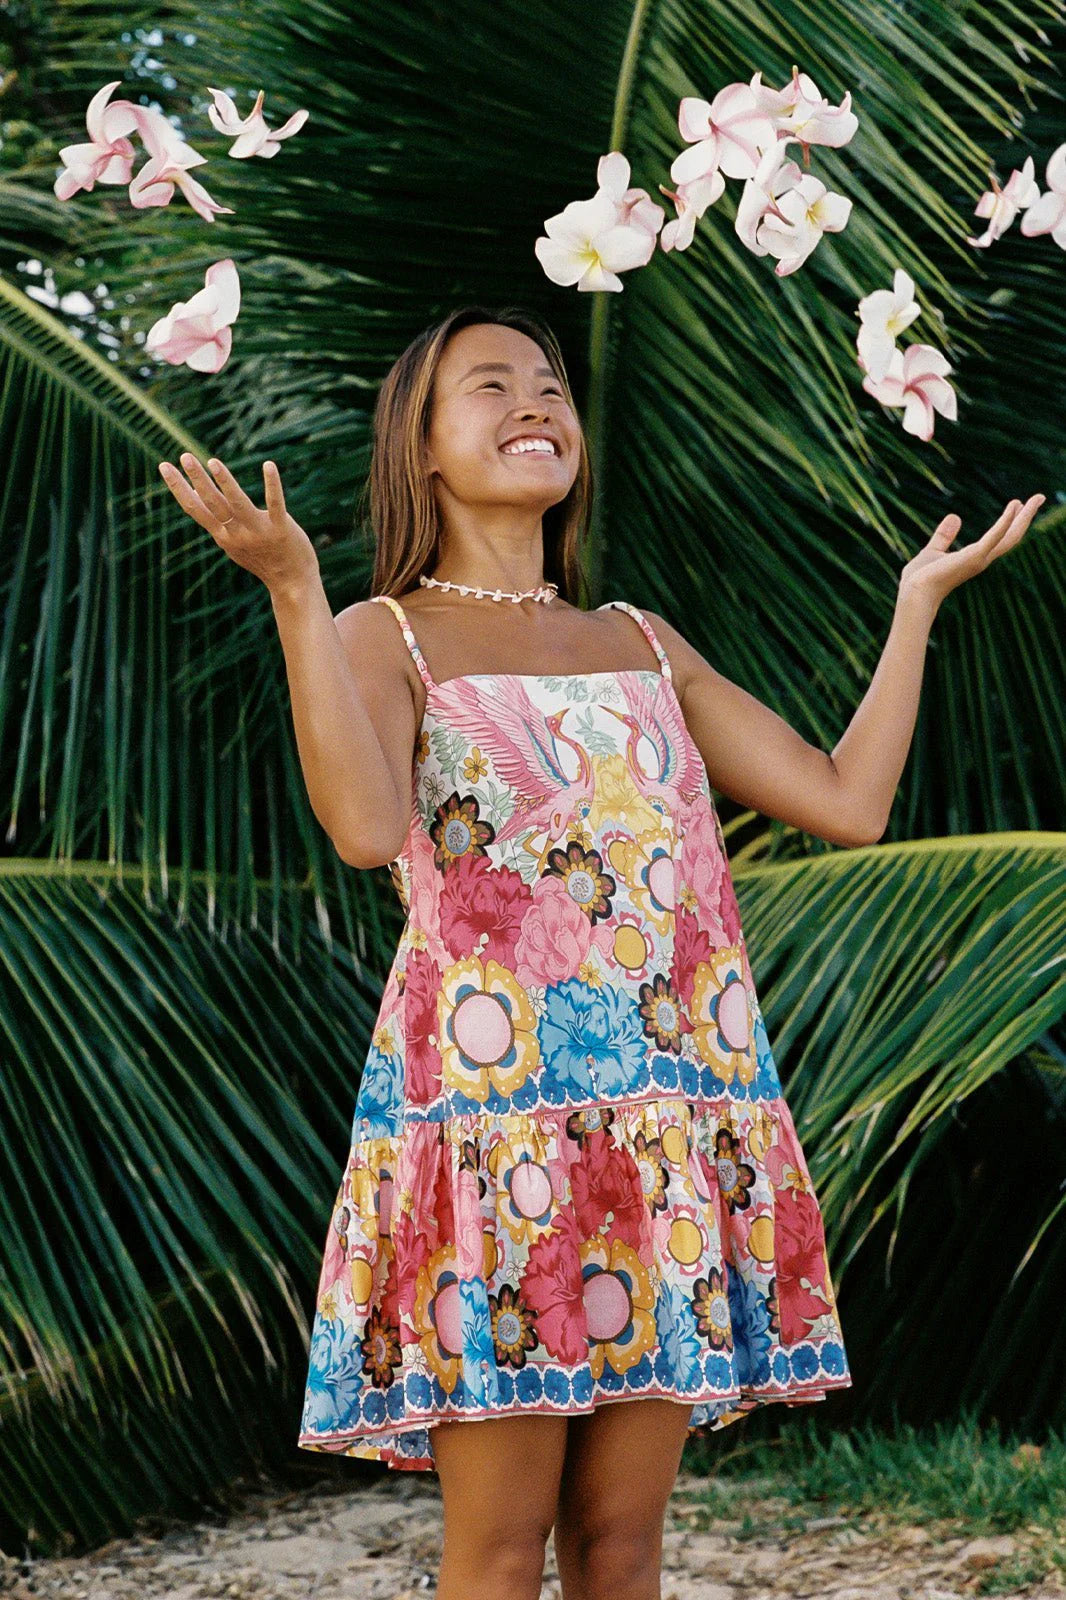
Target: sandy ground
380,1539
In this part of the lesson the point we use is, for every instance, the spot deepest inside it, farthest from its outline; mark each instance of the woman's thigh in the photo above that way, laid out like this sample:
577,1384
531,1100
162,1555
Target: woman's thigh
499,1480
620,1468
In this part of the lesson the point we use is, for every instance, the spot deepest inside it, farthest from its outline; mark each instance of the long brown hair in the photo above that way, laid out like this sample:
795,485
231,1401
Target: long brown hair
404,524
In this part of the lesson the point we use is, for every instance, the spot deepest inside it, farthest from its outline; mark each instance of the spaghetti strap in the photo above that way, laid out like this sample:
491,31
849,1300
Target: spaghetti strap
649,631
412,644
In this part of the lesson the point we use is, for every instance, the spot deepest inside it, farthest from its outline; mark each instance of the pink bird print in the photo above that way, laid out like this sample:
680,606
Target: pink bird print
656,714
522,740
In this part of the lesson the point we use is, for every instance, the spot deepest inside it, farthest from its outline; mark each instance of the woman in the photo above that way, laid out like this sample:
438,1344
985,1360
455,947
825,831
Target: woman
576,1211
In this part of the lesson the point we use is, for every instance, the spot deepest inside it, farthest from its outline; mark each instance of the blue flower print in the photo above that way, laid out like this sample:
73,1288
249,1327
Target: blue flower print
379,1103
479,1352
750,1317
680,1360
591,1040
334,1376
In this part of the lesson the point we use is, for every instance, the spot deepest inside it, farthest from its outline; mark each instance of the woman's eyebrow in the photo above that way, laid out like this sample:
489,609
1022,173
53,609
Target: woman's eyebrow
505,366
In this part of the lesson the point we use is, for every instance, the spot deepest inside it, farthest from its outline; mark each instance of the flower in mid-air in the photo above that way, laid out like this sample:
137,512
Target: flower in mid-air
1001,206
916,380
196,333
252,136
1047,214
590,242
884,314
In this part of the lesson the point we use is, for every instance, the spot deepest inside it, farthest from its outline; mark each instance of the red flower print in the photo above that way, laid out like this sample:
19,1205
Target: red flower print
799,1252
691,946
412,1252
556,935
476,899
605,1178
552,1287
456,830
422,1068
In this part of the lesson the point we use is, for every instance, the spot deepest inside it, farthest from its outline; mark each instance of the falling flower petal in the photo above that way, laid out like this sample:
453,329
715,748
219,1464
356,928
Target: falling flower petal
1001,206
884,314
730,133
253,137
197,332
1048,213
773,176
109,157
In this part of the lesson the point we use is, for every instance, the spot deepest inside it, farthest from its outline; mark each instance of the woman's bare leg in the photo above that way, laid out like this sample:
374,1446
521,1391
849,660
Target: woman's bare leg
620,1467
499,1481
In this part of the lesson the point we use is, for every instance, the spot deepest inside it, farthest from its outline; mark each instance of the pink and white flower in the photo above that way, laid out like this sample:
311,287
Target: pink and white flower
590,242
690,201
799,111
728,133
1001,206
795,217
109,156
197,332
917,381
883,315
1047,214
253,137
168,168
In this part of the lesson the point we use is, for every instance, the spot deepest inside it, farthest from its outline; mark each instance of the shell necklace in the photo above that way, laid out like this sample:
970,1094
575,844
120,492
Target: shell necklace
545,591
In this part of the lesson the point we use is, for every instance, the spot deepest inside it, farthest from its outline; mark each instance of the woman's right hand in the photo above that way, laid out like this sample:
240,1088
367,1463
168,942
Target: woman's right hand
268,543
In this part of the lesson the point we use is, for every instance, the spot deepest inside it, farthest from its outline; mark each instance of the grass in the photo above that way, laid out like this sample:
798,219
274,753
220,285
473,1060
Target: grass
957,1481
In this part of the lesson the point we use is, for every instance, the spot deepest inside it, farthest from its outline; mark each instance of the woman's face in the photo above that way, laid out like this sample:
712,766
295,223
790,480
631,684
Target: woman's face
493,384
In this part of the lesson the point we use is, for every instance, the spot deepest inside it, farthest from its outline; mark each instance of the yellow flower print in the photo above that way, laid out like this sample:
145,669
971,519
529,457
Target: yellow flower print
617,796
422,746
474,766
721,1023
487,1029
327,1306
619,1305
645,864
385,1040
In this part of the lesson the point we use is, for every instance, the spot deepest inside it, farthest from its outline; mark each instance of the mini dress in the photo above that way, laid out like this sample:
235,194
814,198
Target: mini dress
573,1178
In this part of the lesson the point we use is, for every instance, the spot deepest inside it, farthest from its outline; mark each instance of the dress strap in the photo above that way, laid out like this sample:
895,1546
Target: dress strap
412,644
649,632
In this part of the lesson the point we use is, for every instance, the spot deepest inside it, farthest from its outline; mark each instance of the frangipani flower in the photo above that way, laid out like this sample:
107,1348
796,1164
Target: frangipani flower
586,243
917,381
759,196
170,160
800,112
884,314
636,208
1047,214
691,201
197,332
253,137
1001,206
797,216
730,133
109,156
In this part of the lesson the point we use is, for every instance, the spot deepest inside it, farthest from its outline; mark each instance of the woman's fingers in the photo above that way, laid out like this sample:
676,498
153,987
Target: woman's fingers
235,496
275,498
210,494
187,497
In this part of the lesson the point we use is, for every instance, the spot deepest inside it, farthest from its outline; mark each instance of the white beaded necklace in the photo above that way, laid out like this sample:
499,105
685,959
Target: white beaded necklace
545,591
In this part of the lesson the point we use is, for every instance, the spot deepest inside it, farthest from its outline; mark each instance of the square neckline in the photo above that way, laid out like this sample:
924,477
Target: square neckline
662,670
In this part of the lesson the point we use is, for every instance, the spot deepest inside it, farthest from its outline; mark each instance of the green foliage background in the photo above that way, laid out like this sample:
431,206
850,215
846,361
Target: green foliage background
188,974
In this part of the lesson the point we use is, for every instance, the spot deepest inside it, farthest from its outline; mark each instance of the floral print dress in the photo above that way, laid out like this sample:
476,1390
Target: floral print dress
572,1178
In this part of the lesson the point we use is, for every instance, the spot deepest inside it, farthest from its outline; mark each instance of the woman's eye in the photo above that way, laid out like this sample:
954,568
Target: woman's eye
490,382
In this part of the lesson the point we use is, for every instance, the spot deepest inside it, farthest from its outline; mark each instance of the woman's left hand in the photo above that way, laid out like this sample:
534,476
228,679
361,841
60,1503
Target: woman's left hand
936,570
